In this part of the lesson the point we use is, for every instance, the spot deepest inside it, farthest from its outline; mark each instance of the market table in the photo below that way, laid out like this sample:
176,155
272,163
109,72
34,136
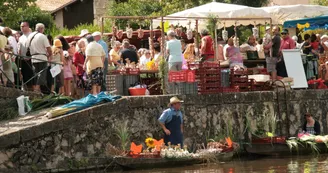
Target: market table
122,81
254,63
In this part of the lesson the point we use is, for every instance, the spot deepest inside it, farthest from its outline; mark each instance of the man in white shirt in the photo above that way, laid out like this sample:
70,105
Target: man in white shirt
41,53
25,63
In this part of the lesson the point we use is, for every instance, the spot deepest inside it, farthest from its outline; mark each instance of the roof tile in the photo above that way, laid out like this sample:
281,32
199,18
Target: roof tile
53,5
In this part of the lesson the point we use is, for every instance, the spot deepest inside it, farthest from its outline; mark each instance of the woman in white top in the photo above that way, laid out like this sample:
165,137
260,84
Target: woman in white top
173,49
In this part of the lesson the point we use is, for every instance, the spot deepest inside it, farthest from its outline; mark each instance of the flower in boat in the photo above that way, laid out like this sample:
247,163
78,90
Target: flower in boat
150,142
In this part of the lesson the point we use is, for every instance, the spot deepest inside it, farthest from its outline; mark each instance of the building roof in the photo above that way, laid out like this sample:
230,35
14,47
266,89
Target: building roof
53,5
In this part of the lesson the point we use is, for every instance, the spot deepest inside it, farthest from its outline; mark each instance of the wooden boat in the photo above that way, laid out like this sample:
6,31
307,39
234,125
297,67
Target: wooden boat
280,149
151,163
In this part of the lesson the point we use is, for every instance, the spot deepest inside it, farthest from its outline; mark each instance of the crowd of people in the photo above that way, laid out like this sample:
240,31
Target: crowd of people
28,57
29,60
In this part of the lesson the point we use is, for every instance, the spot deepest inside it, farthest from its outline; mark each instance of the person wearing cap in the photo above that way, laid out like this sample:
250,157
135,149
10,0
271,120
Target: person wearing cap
324,42
58,59
171,122
311,126
97,37
94,64
286,43
84,34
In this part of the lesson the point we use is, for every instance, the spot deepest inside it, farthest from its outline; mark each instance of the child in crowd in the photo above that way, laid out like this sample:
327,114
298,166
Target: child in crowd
68,73
58,58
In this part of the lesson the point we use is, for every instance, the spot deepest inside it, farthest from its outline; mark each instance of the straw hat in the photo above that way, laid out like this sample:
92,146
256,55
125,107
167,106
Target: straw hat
84,32
174,100
57,43
97,33
267,28
324,37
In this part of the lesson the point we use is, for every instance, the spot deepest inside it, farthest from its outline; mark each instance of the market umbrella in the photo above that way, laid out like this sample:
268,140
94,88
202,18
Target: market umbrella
221,10
280,14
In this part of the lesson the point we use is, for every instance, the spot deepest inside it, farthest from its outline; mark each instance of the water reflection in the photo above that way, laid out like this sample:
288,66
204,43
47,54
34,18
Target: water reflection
298,164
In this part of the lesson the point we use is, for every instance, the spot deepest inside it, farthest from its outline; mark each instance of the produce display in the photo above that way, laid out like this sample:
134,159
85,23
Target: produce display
307,140
255,32
225,35
176,152
50,101
216,147
129,32
140,33
119,34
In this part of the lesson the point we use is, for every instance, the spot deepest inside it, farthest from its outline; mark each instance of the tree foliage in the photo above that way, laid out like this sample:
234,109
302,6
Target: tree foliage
320,2
162,7
15,11
9,9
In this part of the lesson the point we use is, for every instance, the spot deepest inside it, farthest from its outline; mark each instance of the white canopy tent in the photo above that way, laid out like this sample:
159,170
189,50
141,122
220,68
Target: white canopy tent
223,11
280,14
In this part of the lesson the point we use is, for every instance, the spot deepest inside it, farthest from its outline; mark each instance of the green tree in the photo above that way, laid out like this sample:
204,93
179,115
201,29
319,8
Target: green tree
9,10
250,3
34,15
320,2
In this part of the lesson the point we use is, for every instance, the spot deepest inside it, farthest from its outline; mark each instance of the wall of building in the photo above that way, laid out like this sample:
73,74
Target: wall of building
78,13
84,138
100,10
59,19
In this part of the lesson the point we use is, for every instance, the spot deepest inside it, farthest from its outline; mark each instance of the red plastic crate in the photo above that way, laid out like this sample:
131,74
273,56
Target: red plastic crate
190,76
209,65
133,71
177,76
230,90
212,91
212,84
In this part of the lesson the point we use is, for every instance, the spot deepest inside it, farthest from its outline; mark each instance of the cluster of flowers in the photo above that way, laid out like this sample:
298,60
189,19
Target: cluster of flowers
172,152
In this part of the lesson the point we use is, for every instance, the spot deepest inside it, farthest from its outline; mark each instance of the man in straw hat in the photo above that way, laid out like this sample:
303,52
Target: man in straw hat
171,121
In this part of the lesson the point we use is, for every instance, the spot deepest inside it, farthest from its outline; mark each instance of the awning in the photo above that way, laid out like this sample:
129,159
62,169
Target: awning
308,23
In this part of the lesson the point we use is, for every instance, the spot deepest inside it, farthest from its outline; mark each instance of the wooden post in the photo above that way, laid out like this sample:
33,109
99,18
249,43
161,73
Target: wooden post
102,25
151,42
216,41
271,27
196,40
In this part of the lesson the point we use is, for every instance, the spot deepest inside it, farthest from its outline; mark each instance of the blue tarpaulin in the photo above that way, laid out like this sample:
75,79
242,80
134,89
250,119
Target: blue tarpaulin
89,101
320,22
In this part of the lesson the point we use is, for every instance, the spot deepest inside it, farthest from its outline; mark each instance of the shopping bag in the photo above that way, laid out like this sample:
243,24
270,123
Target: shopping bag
24,105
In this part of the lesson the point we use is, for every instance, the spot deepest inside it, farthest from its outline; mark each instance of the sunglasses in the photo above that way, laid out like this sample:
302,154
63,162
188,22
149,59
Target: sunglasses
283,33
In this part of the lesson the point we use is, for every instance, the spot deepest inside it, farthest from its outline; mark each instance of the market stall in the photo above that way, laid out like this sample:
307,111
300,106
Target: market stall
180,82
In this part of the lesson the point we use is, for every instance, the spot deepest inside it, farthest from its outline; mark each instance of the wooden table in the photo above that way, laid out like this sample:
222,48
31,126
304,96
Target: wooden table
254,63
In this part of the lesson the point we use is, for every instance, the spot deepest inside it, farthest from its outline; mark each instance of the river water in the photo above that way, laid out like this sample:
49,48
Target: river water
296,164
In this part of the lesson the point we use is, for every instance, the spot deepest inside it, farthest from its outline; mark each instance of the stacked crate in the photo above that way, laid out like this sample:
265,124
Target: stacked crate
239,80
115,82
209,77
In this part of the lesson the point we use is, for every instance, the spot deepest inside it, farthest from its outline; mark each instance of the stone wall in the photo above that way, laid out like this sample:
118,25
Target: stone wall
82,139
8,103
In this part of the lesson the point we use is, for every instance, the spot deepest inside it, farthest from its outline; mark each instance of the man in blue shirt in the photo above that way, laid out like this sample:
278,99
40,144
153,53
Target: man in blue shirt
171,122
97,38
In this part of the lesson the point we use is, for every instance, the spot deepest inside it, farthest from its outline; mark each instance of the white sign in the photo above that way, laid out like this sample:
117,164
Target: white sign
55,70
294,67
